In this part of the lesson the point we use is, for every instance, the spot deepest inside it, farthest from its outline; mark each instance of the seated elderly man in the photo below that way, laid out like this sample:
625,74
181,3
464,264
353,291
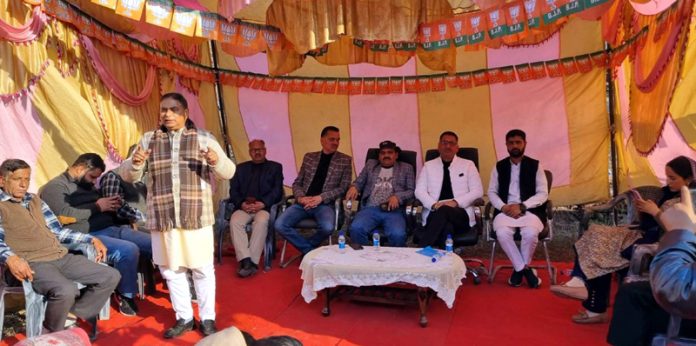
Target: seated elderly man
73,194
386,184
30,248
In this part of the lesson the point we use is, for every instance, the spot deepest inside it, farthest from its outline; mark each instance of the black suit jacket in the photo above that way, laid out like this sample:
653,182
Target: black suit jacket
271,187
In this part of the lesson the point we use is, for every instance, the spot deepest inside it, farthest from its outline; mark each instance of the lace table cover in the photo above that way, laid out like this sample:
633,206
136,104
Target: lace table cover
326,267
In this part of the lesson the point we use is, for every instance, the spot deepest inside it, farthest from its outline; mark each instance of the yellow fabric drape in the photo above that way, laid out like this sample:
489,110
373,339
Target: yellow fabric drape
344,52
649,109
683,107
124,123
311,24
19,62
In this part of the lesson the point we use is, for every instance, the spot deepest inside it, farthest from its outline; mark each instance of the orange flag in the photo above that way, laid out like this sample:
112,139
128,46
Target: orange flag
184,21
132,9
159,12
208,26
106,3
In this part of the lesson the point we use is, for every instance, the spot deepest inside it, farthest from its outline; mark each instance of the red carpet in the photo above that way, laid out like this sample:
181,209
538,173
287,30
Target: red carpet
270,304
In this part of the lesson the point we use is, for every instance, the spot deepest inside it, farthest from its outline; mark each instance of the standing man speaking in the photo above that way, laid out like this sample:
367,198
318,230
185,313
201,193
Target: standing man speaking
180,161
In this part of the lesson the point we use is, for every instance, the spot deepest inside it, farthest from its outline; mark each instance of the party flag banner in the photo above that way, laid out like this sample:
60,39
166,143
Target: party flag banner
159,12
110,4
184,21
132,9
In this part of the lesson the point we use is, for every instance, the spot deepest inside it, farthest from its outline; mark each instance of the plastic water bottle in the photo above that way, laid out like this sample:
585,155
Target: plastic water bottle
375,240
341,242
449,244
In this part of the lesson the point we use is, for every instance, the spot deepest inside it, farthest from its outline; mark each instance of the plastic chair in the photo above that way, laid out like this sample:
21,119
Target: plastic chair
545,236
35,303
621,209
470,238
222,224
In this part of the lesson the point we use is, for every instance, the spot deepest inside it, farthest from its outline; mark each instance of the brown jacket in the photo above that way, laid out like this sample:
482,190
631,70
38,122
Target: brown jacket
337,178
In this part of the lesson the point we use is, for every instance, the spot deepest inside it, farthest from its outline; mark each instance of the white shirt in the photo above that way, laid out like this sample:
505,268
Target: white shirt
539,198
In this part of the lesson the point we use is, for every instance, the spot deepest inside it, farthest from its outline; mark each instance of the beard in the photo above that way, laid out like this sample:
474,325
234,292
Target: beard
85,184
516,153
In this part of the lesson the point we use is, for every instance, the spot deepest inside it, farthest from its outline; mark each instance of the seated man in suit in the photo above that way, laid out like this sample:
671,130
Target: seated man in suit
386,184
30,248
74,194
518,191
323,177
255,187
447,187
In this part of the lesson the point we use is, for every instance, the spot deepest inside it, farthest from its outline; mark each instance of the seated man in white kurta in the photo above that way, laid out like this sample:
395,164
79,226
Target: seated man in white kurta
518,191
182,162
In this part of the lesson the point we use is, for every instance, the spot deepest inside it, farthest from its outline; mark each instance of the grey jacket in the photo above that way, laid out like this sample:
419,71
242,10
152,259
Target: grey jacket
404,180
673,273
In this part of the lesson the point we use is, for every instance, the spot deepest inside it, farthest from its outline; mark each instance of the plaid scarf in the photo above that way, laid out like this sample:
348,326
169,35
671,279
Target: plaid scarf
192,169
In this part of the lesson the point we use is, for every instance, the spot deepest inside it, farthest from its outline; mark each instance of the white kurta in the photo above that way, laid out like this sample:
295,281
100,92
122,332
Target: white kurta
528,219
184,247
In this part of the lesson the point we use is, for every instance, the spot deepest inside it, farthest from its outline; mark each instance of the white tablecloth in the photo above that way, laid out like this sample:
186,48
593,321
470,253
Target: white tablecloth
327,267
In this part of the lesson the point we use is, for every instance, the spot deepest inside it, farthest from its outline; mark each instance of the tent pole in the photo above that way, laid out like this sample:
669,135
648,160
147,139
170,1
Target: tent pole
220,101
609,81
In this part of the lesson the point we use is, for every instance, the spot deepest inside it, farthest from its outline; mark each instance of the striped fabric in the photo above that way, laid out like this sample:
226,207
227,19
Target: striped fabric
191,169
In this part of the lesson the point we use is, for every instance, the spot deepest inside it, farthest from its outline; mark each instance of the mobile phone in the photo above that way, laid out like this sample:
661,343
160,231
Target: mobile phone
693,198
636,194
356,246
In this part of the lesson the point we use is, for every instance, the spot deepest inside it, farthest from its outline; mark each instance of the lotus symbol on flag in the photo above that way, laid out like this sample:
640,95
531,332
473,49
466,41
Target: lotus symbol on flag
494,17
552,4
249,34
159,12
426,33
514,13
457,27
184,20
271,37
530,6
475,23
442,29
208,23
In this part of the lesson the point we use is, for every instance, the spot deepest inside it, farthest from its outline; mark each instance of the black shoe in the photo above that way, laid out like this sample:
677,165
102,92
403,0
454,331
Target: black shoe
532,279
248,269
127,306
179,328
207,327
515,279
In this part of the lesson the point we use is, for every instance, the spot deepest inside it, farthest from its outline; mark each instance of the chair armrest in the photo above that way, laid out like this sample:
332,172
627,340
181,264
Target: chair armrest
640,262
549,209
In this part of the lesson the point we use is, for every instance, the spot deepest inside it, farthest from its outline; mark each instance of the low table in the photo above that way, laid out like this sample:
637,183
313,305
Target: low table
326,267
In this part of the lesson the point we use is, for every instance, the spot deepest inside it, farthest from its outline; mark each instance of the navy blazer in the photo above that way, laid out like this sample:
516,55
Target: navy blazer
271,183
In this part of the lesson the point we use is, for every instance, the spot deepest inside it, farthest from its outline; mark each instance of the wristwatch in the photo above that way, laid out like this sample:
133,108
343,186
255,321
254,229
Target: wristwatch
523,208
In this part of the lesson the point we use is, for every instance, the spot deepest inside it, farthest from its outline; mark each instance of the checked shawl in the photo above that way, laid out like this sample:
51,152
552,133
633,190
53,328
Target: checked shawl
191,170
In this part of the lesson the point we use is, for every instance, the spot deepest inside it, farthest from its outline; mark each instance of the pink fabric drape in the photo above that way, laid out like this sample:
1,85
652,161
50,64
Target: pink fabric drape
370,115
22,133
651,7
27,32
266,116
112,83
544,118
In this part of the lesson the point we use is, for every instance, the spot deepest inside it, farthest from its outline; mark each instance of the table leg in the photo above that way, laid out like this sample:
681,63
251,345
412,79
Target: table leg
326,311
423,302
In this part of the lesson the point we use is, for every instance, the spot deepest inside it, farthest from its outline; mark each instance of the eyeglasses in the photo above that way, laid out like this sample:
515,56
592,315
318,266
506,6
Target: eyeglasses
444,142
257,149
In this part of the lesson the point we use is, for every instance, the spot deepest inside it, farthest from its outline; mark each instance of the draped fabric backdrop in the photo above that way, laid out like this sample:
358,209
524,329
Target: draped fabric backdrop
61,96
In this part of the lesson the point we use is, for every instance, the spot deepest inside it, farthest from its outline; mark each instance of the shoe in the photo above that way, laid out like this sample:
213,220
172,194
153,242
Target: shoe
532,279
207,327
515,279
564,291
247,268
179,328
583,318
127,306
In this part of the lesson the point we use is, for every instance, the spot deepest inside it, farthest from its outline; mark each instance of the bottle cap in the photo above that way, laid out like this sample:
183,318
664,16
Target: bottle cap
340,233
449,236
433,259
